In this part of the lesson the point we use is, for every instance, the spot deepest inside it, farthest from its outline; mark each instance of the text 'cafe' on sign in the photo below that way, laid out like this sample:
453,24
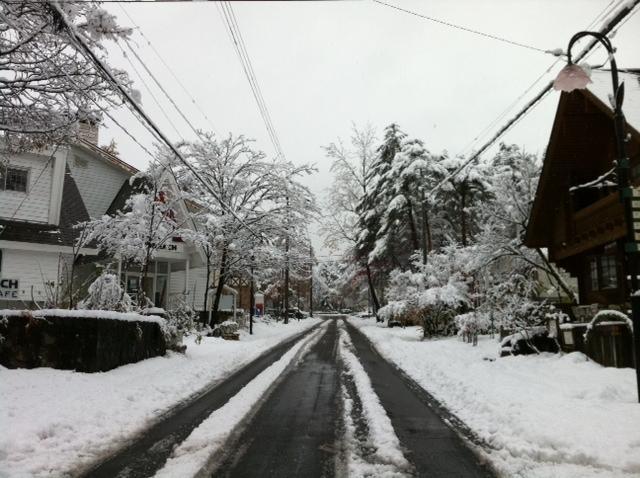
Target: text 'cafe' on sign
9,289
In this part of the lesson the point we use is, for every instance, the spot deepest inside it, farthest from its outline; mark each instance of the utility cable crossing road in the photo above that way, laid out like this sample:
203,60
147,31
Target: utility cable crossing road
337,408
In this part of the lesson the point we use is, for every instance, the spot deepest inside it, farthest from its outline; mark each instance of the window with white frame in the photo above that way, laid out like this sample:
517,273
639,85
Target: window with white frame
14,179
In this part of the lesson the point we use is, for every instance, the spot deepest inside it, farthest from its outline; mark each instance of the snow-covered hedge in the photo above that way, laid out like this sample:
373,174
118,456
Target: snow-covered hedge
83,314
82,340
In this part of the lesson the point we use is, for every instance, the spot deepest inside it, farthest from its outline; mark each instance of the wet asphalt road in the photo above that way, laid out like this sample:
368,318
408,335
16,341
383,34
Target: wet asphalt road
430,445
146,454
294,433
297,431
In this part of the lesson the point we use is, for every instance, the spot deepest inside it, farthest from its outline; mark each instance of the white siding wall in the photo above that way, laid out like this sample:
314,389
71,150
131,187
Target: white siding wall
197,280
31,268
98,181
37,199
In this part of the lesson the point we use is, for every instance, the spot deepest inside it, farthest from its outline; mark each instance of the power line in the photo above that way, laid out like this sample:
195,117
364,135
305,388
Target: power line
168,67
603,13
153,97
245,60
460,27
240,48
611,24
76,38
164,92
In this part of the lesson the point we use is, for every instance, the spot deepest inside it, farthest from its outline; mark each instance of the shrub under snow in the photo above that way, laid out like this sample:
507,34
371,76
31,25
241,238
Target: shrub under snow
105,293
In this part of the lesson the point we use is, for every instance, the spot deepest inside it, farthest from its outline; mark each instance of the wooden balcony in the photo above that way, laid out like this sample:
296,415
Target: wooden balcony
597,224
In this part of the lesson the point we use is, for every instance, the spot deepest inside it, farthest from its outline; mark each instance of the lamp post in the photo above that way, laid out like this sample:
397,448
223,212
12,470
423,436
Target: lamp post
574,77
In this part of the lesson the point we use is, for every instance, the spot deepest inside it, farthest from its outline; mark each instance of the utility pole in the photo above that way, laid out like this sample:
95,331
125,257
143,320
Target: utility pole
286,267
252,299
311,280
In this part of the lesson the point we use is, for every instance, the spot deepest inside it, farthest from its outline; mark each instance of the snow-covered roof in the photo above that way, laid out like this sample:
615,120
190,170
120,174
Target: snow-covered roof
602,89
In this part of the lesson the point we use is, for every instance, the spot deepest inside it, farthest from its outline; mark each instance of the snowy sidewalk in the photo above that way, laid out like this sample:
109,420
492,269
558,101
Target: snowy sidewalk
542,416
61,419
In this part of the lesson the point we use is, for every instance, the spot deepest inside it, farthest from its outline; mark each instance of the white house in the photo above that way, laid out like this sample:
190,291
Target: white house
44,194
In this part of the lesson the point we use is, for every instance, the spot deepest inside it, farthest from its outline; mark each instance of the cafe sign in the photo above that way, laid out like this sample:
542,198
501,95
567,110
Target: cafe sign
9,289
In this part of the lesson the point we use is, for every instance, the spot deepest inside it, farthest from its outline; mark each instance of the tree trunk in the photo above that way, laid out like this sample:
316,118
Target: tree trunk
412,225
286,288
206,285
426,233
220,286
463,218
374,297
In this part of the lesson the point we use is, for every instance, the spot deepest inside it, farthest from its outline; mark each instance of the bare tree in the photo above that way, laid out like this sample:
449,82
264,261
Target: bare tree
47,85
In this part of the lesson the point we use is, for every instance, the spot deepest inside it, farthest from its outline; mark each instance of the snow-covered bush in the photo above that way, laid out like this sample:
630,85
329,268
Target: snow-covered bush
431,294
471,324
105,293
181,321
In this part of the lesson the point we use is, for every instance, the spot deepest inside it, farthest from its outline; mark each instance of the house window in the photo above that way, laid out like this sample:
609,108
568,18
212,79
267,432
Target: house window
603,272
609,279
593,272
14,179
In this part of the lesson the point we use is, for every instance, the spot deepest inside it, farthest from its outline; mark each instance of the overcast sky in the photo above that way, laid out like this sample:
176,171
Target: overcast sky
323,65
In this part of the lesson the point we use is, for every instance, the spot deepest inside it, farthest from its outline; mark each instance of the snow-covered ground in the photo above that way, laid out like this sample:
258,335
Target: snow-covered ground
55,420
552,415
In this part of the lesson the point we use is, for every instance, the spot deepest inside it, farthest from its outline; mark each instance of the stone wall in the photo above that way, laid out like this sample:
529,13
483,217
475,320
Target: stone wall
89,343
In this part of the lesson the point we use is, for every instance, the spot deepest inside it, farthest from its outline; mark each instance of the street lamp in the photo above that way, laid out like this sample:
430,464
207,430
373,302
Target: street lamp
574,77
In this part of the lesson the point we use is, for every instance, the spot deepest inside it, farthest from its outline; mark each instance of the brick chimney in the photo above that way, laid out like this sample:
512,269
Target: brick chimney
88,130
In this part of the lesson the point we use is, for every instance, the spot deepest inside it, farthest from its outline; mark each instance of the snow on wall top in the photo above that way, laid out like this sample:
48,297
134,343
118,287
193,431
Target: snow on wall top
92,314
602,88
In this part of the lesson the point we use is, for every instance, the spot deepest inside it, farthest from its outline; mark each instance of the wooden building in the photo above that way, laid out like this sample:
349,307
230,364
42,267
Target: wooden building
577,213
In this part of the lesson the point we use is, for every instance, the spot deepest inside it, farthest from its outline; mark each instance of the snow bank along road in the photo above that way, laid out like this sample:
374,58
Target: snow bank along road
330,406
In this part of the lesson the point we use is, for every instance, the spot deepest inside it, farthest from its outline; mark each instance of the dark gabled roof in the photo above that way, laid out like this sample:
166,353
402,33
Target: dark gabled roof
126,191
72,212
580,148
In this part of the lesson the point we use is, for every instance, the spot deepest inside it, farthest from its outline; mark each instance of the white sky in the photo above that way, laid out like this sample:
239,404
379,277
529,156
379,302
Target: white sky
324,65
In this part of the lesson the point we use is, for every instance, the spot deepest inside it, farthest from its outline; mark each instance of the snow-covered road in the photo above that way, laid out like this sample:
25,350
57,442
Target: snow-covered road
332,402
322,404
327,417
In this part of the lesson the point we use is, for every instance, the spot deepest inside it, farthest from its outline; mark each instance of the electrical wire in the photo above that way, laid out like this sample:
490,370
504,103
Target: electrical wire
164,92
466,29
245,61
606,29
99,64
603,14
169,69
153,97
238,43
